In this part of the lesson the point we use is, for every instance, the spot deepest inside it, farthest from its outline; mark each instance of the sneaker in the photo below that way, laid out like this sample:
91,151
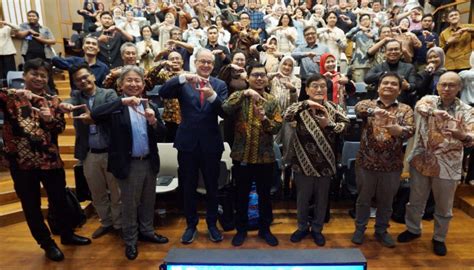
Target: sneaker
214,234
439,248
268,237
239,238
189,235
471,182
318,238
386,239
358,237
407,236
298,235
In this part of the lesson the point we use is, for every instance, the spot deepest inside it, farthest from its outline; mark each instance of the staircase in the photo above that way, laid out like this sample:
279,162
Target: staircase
10,206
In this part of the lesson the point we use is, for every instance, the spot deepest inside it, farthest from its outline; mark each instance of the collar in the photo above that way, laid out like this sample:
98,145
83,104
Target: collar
451,107
314,46
379,102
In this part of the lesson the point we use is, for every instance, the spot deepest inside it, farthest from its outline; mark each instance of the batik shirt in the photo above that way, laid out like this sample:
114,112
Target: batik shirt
253,143
434,153
314,146
380,151
30,142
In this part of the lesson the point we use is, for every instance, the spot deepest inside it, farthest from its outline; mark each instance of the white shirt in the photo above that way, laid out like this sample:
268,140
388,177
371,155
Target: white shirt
6,43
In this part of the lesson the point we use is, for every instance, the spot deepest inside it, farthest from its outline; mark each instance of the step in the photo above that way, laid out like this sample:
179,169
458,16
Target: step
66,144
13,213
68,131
8,194
464,199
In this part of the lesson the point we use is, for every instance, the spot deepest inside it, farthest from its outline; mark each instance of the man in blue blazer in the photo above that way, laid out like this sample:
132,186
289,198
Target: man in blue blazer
198,139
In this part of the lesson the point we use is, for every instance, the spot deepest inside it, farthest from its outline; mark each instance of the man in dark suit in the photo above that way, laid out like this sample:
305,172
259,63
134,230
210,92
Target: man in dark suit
92,144
133,156
198,139
393,56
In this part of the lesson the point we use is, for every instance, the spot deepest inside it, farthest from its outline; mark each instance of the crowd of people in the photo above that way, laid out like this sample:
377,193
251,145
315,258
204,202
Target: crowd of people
283,72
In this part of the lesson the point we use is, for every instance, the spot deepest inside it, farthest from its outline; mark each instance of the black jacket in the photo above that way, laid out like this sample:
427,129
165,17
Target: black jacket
117,118
405,70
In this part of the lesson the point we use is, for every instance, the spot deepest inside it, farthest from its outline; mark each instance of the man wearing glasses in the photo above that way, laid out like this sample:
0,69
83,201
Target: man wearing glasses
257,120
198,139
308,56
387,123
393,63
444,127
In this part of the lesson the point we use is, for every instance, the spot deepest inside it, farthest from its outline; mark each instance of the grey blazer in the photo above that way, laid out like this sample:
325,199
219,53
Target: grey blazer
102,96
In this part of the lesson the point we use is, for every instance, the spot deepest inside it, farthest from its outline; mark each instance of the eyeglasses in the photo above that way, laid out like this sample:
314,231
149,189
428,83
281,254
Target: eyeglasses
257,75
447,85
393,50
316,86
310,34
244,18
206,62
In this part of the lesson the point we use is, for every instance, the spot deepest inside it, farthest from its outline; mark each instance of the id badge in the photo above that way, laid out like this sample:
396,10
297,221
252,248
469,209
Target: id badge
92,129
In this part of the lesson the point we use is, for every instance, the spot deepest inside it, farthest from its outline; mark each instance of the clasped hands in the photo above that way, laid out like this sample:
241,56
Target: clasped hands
195,81
393,127
455,130
323,120
133,102
44,111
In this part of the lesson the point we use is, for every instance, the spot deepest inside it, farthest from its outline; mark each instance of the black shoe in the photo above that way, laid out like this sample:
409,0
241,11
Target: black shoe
298,235
268,237
214,234
318,238
439,248
101,231
239,238
156,238
52,252
189,235
407,236
75,240
131,252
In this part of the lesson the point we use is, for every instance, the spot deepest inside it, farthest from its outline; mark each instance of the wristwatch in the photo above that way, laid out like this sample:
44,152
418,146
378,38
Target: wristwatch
370,111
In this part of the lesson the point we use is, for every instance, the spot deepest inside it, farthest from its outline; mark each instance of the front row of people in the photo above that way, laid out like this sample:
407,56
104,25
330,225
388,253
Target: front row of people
116,138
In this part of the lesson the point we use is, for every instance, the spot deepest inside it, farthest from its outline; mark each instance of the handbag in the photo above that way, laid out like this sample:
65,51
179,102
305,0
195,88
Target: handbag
76,215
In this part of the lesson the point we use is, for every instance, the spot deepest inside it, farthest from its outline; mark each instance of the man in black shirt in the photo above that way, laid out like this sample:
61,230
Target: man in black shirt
220,52
37,39
110,39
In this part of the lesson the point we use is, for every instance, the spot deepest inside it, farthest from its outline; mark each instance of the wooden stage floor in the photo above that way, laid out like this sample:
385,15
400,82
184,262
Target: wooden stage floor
19,250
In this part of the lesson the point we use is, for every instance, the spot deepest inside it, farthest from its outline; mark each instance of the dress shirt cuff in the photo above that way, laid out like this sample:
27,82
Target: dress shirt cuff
212,98
182,78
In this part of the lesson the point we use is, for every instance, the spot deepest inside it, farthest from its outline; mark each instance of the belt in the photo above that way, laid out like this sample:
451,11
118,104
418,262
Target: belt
99,151
141,158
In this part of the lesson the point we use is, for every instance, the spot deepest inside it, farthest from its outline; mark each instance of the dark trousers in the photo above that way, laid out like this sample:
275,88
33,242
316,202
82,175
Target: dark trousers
7,63
244,175
27,187
190,163
171,129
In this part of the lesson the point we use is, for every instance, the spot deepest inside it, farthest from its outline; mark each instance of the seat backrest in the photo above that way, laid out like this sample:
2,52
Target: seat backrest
361,87
14,75
168,159
349,151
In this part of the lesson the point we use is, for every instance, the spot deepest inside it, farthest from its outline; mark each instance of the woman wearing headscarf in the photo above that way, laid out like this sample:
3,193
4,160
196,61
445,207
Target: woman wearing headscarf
285,87
268,54
339,86
235,77
426,80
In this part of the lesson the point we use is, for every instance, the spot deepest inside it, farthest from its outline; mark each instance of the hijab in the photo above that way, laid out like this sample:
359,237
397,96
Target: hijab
335,84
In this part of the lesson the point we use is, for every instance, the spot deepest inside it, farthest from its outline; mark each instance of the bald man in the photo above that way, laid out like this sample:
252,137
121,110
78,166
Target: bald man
444,126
